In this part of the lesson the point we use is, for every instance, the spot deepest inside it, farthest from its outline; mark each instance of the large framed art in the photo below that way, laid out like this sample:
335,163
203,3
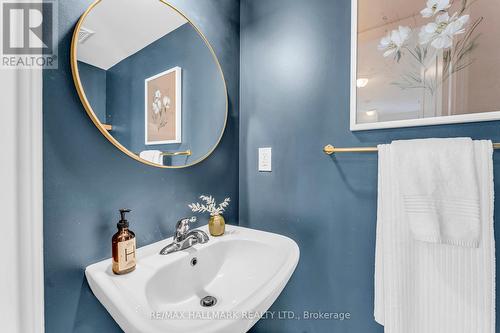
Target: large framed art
163,107
418,62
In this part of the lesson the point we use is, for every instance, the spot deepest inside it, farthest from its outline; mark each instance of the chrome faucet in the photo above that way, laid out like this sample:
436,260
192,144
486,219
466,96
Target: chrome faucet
184,238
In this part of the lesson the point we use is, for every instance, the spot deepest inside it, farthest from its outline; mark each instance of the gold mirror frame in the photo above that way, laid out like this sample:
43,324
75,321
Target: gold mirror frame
97,122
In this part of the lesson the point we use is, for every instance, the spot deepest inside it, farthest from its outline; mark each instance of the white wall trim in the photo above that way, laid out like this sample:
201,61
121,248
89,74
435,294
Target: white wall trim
21,202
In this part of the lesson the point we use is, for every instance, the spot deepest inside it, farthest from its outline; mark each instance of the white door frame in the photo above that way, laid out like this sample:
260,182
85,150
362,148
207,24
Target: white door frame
21,201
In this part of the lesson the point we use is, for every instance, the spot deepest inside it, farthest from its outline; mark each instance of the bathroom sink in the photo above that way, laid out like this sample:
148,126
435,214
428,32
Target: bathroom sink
222,286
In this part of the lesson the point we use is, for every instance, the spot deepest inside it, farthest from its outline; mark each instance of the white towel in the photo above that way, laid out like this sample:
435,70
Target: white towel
438,182
153,156
423,287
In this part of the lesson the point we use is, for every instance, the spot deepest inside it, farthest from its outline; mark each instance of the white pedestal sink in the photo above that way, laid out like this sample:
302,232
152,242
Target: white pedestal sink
245,270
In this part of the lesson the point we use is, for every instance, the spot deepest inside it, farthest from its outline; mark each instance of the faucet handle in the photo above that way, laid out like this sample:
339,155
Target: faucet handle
182,228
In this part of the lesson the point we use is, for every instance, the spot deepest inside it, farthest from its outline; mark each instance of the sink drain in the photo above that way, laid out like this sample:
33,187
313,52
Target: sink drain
208,301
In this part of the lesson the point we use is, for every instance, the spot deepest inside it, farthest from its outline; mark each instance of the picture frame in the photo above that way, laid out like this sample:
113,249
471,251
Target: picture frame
163,107
456,100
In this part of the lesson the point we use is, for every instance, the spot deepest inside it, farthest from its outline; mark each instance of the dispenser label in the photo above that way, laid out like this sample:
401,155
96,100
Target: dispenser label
126,255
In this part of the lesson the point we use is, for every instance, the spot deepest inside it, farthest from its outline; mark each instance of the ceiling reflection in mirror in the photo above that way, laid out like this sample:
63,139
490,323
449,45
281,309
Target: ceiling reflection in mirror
151,80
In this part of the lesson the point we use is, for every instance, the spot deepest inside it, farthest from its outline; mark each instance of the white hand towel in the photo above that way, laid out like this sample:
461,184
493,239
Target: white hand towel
423,287
438,182
153,156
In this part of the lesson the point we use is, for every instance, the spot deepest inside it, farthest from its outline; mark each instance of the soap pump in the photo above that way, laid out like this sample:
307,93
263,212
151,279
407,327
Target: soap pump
123,246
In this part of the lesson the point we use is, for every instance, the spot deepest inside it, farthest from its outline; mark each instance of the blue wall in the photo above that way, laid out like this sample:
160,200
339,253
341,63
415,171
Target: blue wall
86,179
295,98
203,98
94,80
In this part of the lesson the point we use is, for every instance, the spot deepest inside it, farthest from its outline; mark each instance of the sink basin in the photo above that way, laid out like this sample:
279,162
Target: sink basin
222,286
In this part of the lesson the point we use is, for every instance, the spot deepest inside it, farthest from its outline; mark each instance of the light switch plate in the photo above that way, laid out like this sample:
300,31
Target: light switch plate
265,159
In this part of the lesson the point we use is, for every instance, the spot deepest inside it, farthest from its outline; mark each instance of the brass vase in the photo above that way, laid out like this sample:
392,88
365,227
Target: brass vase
217,225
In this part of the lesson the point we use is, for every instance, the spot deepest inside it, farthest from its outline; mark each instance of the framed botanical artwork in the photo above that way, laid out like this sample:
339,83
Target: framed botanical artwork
163,107
424,62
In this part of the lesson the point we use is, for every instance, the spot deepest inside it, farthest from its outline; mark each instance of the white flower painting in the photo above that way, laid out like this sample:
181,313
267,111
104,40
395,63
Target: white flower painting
160,107
422,62
394,42
435,6
163,107
440,34
449,37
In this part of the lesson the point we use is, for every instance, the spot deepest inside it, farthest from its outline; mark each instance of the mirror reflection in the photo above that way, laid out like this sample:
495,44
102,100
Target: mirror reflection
152,81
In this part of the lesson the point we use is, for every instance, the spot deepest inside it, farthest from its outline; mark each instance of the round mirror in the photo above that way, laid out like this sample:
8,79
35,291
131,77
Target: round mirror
150,81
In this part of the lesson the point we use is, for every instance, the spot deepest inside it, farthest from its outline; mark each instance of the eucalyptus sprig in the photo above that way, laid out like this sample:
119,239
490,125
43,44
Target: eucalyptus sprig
209,205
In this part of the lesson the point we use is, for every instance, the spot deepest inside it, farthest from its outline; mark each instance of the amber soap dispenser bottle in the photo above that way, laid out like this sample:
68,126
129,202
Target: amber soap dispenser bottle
123,244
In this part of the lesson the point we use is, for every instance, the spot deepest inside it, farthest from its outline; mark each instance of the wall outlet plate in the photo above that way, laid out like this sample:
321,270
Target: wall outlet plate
265,159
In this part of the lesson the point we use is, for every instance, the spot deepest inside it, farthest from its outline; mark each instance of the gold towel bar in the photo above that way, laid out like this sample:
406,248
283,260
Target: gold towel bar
178,153
330,150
